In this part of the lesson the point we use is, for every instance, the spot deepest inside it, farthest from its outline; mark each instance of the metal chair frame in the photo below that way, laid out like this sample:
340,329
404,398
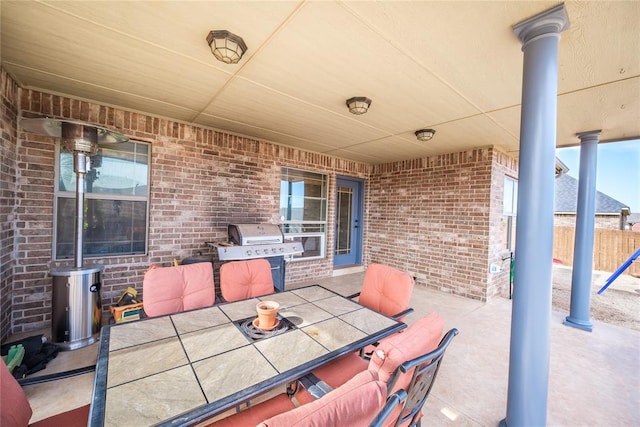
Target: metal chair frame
422,380
393,401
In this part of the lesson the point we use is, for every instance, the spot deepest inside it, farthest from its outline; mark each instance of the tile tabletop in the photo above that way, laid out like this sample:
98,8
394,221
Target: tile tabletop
198,363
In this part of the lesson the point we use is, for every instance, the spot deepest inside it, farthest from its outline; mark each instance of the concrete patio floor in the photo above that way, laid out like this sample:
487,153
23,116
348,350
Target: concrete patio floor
594,377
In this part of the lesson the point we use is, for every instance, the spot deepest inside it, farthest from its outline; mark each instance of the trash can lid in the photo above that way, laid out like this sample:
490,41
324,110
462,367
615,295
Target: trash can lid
66,270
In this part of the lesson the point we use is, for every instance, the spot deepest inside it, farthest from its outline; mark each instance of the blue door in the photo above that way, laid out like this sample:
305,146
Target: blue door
348,232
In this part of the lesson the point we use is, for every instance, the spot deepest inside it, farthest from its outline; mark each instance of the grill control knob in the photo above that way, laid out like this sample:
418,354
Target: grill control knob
273,250
257,251
281,249
248,252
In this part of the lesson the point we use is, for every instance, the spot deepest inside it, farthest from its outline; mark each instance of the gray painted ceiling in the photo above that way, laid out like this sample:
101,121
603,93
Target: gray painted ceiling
448,65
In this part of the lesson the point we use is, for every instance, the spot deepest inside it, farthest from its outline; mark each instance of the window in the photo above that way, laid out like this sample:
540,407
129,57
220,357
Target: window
116,202
509,213
303,210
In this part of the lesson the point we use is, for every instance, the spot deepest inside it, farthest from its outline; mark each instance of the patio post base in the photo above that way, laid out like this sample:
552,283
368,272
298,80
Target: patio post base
580,324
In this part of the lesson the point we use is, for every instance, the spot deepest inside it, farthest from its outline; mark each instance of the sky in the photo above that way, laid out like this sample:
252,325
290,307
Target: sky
618,170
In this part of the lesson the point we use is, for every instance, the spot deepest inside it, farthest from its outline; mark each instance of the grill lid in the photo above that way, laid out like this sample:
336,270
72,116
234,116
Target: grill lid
255,234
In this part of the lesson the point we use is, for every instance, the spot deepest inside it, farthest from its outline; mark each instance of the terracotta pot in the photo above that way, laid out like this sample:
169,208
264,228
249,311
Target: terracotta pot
267,312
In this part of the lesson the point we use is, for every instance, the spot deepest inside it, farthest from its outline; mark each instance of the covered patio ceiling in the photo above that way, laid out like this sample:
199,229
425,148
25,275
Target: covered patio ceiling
452,66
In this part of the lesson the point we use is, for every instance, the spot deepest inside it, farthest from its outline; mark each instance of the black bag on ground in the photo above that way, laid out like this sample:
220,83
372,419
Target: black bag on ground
37,353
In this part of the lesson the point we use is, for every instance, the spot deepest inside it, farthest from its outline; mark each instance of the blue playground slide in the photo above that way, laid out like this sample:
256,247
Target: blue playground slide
619,271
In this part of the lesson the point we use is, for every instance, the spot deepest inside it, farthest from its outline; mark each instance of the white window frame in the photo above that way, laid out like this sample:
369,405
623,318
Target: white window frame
59,194
510,211
320,227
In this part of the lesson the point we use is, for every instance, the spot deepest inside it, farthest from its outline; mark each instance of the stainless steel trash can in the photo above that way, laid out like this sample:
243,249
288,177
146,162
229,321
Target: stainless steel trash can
77,306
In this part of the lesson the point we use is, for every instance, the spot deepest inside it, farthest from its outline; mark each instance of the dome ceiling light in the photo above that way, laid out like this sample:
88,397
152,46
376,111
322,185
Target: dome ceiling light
358,104
425,134
226,46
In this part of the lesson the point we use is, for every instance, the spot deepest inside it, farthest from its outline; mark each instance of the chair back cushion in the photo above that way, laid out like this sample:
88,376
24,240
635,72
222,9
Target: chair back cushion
418,339
78,417
245,279
167,290
254,414
15,410
355,403
386,289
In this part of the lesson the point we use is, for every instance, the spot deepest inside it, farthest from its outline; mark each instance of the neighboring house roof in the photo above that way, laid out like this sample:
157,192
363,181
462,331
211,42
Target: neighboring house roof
561,168
567,198
634,218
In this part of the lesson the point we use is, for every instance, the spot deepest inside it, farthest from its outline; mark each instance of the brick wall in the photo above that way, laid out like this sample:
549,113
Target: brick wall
8,124
434,218
443,212
606,222
201,180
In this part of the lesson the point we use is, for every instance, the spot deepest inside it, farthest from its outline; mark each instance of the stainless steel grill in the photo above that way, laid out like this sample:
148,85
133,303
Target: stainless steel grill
250,241
261,234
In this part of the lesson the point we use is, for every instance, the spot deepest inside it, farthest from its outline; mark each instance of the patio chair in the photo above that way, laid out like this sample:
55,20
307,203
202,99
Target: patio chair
167,290
245,279
361,397
405,408
15,410
386,290
420,338
360,401
354,403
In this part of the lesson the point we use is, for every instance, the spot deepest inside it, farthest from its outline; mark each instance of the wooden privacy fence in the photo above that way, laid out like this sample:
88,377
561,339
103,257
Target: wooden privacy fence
611,248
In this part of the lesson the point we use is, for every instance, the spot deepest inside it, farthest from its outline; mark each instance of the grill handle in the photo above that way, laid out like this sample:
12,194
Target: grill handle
262,242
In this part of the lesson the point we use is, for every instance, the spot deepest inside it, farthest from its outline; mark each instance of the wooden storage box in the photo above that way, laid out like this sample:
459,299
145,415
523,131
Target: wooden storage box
126,313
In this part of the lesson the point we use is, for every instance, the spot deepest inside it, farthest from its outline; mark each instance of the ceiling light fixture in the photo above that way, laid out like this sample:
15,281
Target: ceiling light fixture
226,46
425,134
358,104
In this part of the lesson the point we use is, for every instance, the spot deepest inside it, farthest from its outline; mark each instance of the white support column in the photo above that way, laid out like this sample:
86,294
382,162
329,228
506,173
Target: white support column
585,224
531,313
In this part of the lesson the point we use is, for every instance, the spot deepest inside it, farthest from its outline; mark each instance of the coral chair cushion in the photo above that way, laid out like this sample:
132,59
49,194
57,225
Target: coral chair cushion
78,417
418,339
167,290
245,279
386,289
355,403
14,406
255,414
335,374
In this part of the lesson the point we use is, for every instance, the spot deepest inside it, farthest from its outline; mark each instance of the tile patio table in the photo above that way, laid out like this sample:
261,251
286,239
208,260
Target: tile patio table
184,368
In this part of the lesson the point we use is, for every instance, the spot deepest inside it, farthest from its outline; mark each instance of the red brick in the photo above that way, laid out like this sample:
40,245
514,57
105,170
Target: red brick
436,218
